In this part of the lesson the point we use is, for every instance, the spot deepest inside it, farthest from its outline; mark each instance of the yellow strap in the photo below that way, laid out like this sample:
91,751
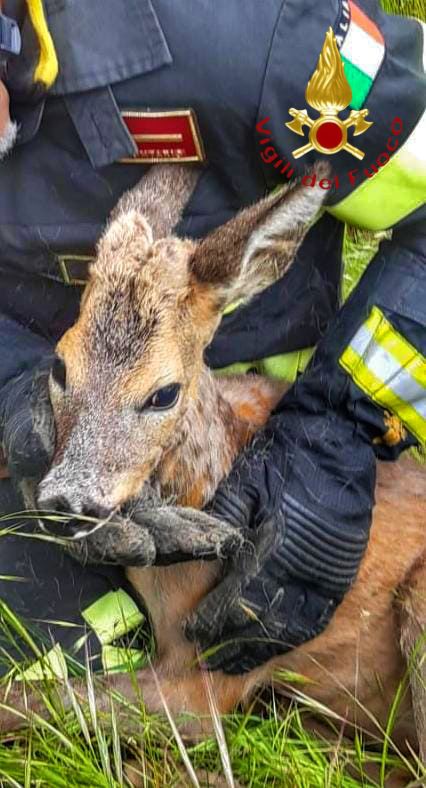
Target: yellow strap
47,67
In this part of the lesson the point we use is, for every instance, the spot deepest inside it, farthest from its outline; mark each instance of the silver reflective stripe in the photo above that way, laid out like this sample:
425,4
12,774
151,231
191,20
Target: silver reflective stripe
387,368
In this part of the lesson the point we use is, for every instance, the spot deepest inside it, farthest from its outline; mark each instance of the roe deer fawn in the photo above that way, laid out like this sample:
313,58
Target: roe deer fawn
151,307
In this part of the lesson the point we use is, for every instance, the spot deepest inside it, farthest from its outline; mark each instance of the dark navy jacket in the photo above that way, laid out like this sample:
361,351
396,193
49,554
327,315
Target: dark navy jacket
234,62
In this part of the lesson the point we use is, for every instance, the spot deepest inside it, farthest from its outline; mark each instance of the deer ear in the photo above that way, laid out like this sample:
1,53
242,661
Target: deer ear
257,247
161,197
144,214
123,245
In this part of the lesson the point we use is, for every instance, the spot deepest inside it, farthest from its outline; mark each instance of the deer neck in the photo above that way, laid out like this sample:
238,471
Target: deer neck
211,435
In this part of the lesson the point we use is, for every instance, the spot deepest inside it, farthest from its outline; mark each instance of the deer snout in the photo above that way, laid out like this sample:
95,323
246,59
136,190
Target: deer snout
74,525
73,499
64,505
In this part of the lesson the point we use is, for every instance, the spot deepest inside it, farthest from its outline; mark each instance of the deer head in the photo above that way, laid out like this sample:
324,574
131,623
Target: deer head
129,369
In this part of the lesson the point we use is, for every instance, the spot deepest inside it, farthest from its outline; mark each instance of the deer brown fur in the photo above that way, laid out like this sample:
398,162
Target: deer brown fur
151,307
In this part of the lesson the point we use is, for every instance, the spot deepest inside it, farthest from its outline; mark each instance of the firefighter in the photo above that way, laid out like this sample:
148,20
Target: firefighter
99,91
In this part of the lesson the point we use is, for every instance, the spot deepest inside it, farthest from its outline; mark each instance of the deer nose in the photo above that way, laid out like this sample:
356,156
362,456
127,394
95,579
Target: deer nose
71,527
55,503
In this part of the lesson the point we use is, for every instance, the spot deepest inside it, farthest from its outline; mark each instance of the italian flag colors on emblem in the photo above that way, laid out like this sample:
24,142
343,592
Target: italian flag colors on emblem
362,53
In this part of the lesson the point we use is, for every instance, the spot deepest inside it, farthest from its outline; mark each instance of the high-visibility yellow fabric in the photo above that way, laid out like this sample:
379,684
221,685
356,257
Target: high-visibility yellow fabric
47,67
112,616
285,366
50,666
408,356
396,190
390,370
122,660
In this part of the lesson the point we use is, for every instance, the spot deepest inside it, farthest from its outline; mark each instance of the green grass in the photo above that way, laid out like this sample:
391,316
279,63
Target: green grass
265,745
406,7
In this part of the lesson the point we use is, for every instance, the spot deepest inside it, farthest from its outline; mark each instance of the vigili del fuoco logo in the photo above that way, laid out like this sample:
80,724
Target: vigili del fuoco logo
328,91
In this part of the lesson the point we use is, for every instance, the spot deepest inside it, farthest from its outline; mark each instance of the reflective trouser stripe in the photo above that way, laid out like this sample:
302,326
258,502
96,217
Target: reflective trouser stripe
389,370
112,616
50,666
122,660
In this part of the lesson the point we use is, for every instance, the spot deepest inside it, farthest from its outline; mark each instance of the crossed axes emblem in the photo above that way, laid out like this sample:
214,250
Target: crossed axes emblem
329,92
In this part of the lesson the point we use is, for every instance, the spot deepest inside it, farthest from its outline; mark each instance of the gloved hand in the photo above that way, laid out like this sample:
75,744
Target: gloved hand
305,489
28,434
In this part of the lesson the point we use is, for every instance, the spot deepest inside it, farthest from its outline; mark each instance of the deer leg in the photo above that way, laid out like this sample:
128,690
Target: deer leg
21,705
412,607
151,535
122,542
192,700
189,699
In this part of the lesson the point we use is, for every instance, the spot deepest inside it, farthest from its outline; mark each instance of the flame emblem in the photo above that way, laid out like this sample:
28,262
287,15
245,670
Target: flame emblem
328,91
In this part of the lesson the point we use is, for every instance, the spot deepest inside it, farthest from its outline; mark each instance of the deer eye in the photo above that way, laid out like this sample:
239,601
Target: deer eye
164,398
59,372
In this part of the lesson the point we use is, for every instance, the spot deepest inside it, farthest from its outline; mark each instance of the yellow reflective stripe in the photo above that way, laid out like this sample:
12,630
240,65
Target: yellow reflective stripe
47,67
389,370
395,191
51,665
408,356
113,615
374,319
122,660
384,397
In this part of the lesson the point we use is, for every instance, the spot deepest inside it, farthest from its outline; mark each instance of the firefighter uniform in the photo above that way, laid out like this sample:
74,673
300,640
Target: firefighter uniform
86,70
